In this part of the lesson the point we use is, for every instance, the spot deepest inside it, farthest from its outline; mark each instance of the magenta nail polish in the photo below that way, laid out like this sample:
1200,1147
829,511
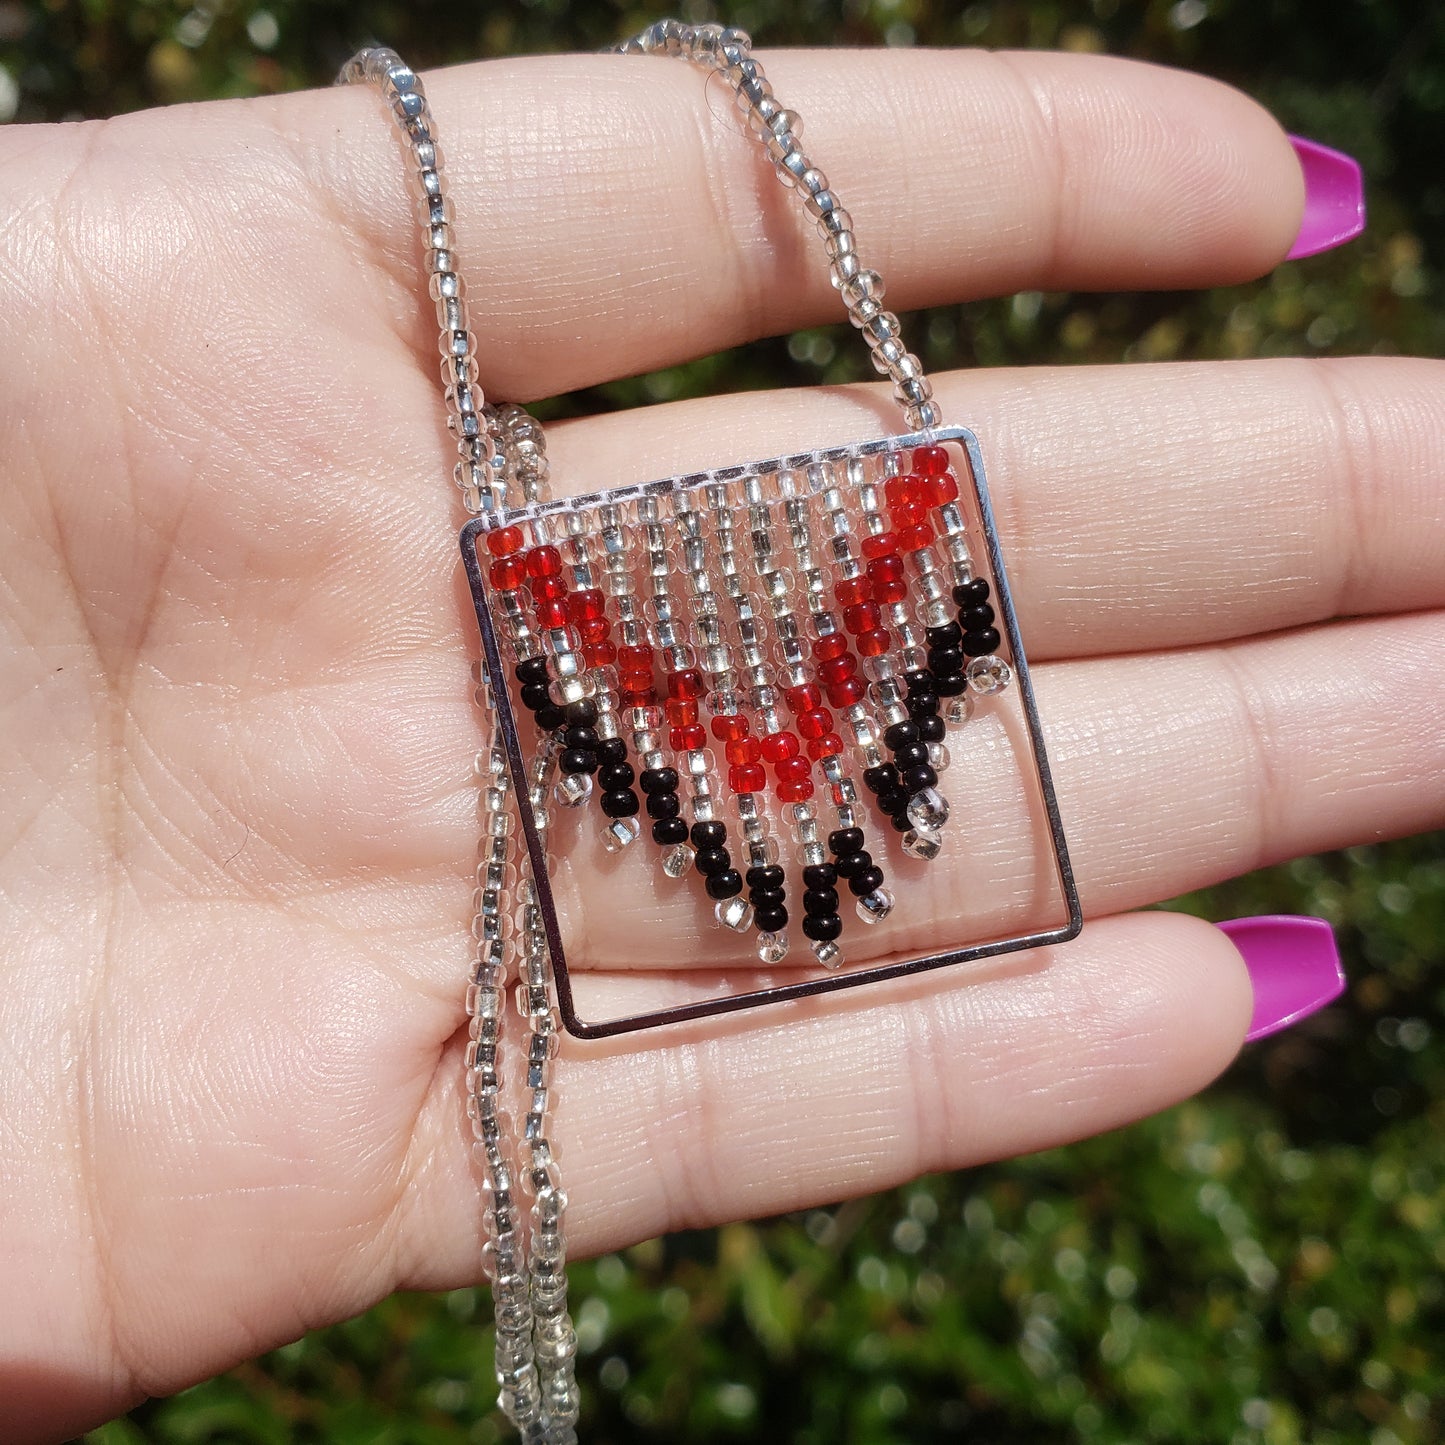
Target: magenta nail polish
1334,198
1294,965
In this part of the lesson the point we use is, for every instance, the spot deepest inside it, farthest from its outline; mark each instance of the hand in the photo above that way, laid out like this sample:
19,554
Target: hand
237,806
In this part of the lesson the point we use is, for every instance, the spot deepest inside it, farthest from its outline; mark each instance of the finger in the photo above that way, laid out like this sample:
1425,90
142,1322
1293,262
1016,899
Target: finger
816,1102
618,218
1139,507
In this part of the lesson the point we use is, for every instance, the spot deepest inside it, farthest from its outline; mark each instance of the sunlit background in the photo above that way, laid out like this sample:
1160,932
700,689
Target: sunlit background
1263,1264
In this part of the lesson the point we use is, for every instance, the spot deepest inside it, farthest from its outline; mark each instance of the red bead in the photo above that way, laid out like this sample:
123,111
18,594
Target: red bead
793,770
592,629
836,669
637,696
635,659
779,746
885,569
741,751
600,654
891,592
507,573
504,541
885,544
826,746
749,778
930,461
687,683
847,692
862,618
795,792
942,489
633,677
831,646
815,724
874,643
914,539
905,515
681,712
803,698
586,604
727,727
852,590
688,739
552,613
547,589
544,562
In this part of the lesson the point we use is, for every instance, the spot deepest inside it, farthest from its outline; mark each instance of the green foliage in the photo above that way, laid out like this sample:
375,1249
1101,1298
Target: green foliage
1260,1266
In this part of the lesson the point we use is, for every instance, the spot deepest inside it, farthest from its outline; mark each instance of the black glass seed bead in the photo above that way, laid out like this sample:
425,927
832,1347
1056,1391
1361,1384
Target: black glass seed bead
577,736
612,750
980,644
922,704
708,835
850,863
818,902
711,861
946,661
910,757
769,877
952,686
767,897
900,735
945,636
971,594
532,669
535,695
550,718
669,830
862,884
659,780
881,778
822,929
820,875
918,677
619,804
727,884
578,760
901,822
845,840
769,919
915,780
664,805
582,713
931,729
614,776
975,619
893,800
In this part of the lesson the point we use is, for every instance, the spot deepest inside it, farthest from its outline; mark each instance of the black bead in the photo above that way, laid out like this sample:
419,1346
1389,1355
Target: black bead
901,822
578,760
669,830
664,805
582,713
865,882
922,704
533,669
975,619
878,779
954,685
919,677
614,776
900,735
824,929
578,736
946,661
971,594
845,840
621,803
659,780
612,750
980,644
535,695
767,897
708,835
727,884
893,800
910,757
710,861
769,877
852,863
915,780
770,920
820,901
931,729
550,718
945,636
820,875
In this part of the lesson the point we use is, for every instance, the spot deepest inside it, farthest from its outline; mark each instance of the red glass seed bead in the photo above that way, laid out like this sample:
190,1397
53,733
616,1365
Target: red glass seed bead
507,573
792,770
852,590
827,746
636,657
637,696
798,792
885,569
847,692
727,727
874,643
905,515
629,675
827,648
943,489
688,738
544,562
748,778
891,592
586,604
862,618
741,751
600,654
815,724
547,589
896,490
803,698
914,539
681,712
777,747
504,541
552,612
930,461
686,683
885,544
592,629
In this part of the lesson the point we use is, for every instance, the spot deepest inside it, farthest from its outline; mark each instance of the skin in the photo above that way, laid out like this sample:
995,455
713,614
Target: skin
238,819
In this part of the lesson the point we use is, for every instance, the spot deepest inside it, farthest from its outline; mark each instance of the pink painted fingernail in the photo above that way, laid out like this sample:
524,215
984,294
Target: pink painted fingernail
1334,198
1294,965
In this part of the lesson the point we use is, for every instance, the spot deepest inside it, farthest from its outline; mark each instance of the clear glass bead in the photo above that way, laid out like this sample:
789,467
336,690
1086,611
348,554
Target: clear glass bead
735,913
928,810
925,846
874,907
938,757
772,947
678,859
988,675
958,710
828,953
573,790
619,832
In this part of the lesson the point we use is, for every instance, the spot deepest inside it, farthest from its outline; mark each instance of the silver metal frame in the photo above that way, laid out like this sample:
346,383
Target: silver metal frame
804,988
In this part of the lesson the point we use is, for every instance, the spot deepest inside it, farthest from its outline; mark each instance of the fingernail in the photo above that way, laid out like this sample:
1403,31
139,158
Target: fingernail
1294,965
1334,198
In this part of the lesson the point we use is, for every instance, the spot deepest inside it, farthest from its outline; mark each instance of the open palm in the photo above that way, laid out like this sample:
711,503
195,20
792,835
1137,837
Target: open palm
238,815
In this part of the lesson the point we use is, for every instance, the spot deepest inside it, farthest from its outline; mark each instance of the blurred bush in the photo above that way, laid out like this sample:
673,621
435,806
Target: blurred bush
1261,1266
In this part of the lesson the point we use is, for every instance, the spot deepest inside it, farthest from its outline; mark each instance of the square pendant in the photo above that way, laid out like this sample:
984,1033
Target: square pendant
790,689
